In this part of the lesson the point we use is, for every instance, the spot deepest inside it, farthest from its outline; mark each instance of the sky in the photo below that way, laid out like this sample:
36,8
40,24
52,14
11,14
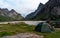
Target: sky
23,7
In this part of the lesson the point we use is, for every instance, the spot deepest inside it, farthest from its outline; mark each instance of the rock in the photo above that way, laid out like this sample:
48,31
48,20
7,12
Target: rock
24,35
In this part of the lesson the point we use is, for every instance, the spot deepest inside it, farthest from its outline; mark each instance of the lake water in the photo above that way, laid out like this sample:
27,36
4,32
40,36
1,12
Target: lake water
27,22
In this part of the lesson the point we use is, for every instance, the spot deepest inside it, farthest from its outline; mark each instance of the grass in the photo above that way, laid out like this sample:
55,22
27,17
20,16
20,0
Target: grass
11,29
55,34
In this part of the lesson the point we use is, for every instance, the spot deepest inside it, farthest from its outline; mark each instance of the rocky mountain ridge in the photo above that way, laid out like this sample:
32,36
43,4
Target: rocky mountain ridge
12,14
48,11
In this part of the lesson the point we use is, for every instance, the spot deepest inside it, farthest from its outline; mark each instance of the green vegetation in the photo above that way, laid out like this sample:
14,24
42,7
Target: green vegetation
42,16
55,34
5,18
11,29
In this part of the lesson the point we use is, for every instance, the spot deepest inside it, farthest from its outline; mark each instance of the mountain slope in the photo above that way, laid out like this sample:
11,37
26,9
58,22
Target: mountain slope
12,15
33,14
49,11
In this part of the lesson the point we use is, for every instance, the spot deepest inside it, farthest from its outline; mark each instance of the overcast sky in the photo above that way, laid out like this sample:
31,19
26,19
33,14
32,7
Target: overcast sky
23,7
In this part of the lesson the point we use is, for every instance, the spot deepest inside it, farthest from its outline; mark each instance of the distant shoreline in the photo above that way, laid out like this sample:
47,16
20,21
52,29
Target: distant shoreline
27,22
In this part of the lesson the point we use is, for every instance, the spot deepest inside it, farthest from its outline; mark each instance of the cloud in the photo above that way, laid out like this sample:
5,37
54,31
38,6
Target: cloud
23,7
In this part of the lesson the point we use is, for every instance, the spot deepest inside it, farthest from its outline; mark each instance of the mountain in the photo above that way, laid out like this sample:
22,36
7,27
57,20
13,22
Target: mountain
48,11
33,14
12,15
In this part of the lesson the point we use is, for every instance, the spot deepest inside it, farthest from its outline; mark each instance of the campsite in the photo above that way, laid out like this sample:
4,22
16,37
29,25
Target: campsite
13,29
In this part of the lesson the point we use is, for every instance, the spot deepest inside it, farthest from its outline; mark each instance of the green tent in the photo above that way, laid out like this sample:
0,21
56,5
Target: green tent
44,27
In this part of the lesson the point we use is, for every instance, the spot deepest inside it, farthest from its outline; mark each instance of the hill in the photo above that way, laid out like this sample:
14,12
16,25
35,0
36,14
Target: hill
12,15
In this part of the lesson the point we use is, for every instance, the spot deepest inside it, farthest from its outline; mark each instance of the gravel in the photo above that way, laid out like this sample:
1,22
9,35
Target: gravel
24,35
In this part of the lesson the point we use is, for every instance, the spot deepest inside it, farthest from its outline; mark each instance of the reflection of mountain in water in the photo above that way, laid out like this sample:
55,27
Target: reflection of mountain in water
49,11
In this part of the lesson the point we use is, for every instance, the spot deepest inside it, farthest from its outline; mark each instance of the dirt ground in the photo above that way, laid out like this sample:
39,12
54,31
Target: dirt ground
24,35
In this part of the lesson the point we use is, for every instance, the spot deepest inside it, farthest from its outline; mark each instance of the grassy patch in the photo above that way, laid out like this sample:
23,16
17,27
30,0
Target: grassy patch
11,29
55,34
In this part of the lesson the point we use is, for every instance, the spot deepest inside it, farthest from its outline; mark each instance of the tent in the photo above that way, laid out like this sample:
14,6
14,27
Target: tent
44,27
